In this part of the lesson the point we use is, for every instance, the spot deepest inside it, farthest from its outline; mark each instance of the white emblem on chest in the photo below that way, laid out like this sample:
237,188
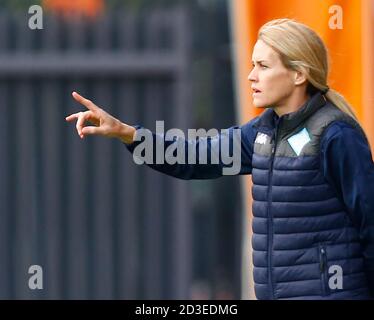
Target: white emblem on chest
261,138
299,140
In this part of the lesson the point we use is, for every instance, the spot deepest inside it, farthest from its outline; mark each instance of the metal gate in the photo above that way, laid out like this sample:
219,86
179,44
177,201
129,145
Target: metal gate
100,226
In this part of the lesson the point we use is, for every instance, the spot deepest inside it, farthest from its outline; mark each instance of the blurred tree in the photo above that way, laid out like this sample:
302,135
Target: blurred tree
115,4
18,4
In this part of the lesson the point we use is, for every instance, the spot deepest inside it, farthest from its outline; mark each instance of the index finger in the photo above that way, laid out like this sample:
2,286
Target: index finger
82,100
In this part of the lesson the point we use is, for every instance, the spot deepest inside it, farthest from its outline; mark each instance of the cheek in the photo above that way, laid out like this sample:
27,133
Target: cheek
277,83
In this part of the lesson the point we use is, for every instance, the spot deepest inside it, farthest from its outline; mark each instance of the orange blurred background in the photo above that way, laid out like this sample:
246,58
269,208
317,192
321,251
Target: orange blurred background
350,48
87,7
351,53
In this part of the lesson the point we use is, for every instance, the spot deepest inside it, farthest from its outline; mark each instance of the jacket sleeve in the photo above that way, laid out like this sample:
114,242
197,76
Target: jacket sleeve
228,153
348,166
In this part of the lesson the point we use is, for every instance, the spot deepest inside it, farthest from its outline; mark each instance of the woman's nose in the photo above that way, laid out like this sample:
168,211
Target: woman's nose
252,75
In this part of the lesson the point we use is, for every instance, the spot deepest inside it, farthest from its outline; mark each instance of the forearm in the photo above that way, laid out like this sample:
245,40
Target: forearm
126,133
159,154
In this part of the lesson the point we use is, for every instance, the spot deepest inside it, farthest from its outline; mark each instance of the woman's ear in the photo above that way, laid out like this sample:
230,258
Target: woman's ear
300,78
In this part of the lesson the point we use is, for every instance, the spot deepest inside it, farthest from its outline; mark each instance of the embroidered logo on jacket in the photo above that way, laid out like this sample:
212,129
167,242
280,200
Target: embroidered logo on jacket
299,140
261,138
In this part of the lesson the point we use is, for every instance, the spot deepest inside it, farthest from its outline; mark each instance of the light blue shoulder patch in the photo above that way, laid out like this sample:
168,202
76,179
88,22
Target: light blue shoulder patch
299,140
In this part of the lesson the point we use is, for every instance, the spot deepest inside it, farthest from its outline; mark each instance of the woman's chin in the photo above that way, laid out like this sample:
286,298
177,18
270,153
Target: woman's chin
259,104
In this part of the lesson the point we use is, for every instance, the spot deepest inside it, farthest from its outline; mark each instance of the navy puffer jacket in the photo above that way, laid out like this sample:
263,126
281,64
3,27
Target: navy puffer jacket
303,237
307,243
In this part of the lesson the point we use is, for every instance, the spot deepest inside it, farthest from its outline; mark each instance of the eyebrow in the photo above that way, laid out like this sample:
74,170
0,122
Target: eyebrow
259,61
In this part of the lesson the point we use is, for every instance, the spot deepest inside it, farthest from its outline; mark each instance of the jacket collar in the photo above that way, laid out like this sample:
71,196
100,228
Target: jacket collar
291,121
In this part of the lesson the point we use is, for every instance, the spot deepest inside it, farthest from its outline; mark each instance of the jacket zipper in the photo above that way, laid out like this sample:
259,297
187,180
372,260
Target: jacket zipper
270,217
322,267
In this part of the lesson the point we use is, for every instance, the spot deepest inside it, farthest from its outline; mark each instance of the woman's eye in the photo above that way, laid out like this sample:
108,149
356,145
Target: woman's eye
260,65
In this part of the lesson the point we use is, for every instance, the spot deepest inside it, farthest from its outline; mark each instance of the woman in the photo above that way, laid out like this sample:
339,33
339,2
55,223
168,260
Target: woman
312,170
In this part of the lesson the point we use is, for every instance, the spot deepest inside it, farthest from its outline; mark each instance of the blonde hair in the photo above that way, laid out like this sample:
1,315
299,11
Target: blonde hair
301,49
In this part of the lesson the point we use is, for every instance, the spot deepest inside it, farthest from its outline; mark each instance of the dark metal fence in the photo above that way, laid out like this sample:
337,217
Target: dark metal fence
100,226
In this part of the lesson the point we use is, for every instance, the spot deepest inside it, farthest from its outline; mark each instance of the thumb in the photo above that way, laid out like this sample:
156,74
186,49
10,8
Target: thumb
92,130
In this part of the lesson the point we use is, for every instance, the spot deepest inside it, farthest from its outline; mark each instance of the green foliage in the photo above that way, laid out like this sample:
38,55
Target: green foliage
18,5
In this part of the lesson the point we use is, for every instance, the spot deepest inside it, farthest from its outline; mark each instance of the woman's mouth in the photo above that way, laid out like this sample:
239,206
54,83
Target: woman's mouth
255,91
